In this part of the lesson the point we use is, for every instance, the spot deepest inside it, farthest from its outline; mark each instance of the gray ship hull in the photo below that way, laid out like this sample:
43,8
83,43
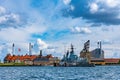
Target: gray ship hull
75,65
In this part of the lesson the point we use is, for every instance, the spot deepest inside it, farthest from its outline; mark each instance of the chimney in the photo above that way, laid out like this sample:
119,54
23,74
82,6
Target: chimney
40,52
30,50
13,48
100,48
98,44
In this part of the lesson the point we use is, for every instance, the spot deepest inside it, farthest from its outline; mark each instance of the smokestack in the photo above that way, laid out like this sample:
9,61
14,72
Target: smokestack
98,44
100,48
13,48
40,52
30,49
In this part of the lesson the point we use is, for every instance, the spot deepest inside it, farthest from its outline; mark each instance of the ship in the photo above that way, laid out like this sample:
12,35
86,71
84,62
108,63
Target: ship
70,59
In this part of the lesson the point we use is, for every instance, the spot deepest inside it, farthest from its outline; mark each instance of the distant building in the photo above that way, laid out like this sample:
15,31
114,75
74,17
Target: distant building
109,61
32,59
48,60
97,53
97,57
85,53
27,59
98,61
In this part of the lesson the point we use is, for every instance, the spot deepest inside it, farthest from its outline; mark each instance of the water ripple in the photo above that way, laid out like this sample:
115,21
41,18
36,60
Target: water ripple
60,73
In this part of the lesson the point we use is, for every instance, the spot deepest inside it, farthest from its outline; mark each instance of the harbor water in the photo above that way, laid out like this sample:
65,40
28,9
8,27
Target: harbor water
60,73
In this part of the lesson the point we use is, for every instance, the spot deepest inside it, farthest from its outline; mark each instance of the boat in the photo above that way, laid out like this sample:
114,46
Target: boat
72,60
82,63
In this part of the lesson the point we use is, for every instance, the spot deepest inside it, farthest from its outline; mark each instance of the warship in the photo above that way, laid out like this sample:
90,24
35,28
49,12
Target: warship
71,60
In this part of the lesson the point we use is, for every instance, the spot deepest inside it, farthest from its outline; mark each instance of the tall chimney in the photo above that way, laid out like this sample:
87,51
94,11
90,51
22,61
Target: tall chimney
30,50
102,54
98,44
13,48
100,48
40,52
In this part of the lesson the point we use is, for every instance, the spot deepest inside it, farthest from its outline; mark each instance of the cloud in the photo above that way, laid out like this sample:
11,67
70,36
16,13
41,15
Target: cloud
96,11
39,45
107,41
72,7
93,7
2,10
66,2
109,3
34,21
14,35
81,30
45,47
4,50
8,19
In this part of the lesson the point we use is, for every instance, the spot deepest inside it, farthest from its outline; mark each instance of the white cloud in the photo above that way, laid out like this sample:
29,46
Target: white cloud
111,3
72,7
35,28
93,7
82,30
2,10
107,41
14,35
85,30
41,44
9,19
77,29
40,16
108,3
66,2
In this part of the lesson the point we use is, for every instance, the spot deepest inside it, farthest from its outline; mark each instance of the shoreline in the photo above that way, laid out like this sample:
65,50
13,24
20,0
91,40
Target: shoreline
48,65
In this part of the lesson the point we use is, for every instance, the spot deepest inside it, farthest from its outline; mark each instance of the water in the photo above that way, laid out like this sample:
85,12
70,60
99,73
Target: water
60,73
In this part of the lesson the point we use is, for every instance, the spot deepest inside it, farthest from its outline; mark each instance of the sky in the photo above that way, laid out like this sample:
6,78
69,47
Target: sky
52,25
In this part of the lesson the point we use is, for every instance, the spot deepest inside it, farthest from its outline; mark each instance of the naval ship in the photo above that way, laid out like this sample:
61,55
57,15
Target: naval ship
71,60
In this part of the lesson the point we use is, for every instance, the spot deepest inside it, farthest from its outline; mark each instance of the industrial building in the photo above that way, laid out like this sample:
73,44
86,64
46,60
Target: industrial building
97,55
47,60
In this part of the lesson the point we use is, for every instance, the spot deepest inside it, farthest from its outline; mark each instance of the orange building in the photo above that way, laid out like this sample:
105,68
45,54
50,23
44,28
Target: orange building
32,59
19,58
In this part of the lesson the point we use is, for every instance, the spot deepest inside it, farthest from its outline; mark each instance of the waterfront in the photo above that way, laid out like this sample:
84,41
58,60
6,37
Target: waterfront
60,73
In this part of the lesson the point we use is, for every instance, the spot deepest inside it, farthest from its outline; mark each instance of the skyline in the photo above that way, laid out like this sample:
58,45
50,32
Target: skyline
52,25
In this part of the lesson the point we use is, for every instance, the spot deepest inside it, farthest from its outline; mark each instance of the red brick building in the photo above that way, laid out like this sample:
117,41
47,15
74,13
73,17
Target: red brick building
31,59
18,58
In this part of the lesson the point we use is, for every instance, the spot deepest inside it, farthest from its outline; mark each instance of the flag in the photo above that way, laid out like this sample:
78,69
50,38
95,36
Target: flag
19,49
87,43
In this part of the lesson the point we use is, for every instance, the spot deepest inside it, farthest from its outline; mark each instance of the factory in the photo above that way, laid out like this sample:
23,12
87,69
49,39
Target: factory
97,55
